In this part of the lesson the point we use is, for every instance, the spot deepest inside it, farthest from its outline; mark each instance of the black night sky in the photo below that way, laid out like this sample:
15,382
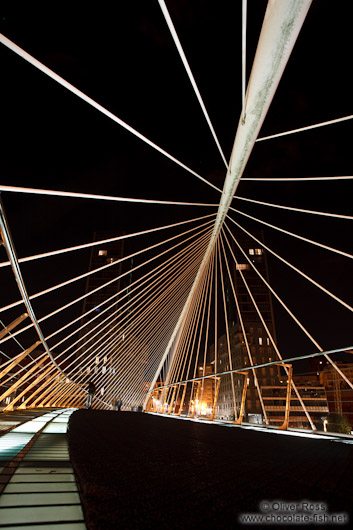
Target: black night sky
124,58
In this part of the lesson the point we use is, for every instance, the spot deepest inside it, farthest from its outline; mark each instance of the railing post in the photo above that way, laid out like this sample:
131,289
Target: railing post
13,324
218,379
24,404
17,398
19,359
182,399
285,424
192,415
23,378
239,421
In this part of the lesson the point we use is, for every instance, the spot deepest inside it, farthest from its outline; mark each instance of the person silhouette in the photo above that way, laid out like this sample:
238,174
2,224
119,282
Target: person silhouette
91,392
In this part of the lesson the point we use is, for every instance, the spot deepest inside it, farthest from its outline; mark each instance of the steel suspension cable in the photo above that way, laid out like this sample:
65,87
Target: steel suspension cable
296,179
119,324
301,273
307,240
241,321
104,241
307,128
53,313
19,51
296,320
190,75
227,328
128,304
144,279
270,336
300,210
193,320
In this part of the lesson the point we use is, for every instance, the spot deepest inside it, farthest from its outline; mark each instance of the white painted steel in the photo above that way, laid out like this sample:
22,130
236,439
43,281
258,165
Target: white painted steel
281,26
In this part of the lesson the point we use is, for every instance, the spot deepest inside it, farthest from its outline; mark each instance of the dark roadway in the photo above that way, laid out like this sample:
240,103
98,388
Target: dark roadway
142,471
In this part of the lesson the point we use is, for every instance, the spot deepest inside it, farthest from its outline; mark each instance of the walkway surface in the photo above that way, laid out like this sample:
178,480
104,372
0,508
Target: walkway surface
37,483
139,471
143,471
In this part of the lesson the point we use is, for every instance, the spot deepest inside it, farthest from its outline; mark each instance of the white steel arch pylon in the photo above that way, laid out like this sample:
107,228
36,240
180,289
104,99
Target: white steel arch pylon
281,27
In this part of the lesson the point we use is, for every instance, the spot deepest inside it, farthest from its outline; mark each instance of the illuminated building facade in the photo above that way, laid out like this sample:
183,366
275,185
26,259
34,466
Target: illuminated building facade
313,396
206,393
339,393
105,318
259,342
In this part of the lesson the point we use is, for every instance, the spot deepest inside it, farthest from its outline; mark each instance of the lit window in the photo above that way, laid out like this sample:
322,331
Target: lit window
102,252
97,360
258,251
251,251
242,267
260,341
268,341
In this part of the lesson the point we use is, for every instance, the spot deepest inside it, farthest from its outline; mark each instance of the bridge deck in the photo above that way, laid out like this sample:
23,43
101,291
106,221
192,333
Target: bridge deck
37,482
140,470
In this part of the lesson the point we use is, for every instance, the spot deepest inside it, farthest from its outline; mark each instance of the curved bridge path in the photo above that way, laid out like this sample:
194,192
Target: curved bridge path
37,484
141,470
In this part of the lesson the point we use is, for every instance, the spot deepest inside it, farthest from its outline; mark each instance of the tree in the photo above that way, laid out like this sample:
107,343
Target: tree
338,423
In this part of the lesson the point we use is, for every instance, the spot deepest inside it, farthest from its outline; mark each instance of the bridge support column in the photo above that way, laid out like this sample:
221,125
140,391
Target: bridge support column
17,398
182,398
285,424
239,421
18,359
45,392
192,415
64,397
13,324
23,378
25,403
72,400
218,379
171,407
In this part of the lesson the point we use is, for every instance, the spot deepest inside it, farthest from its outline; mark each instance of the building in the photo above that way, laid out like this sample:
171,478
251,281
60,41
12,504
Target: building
339,393
108,336
257,348
312,394
98,319
231,387
102,255
266,390
205,394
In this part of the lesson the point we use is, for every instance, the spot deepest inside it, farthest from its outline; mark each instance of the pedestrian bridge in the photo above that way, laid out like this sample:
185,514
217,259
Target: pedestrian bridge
69,479
177,317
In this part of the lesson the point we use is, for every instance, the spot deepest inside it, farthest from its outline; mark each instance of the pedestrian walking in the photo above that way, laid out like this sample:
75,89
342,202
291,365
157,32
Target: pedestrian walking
91,392
118,404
